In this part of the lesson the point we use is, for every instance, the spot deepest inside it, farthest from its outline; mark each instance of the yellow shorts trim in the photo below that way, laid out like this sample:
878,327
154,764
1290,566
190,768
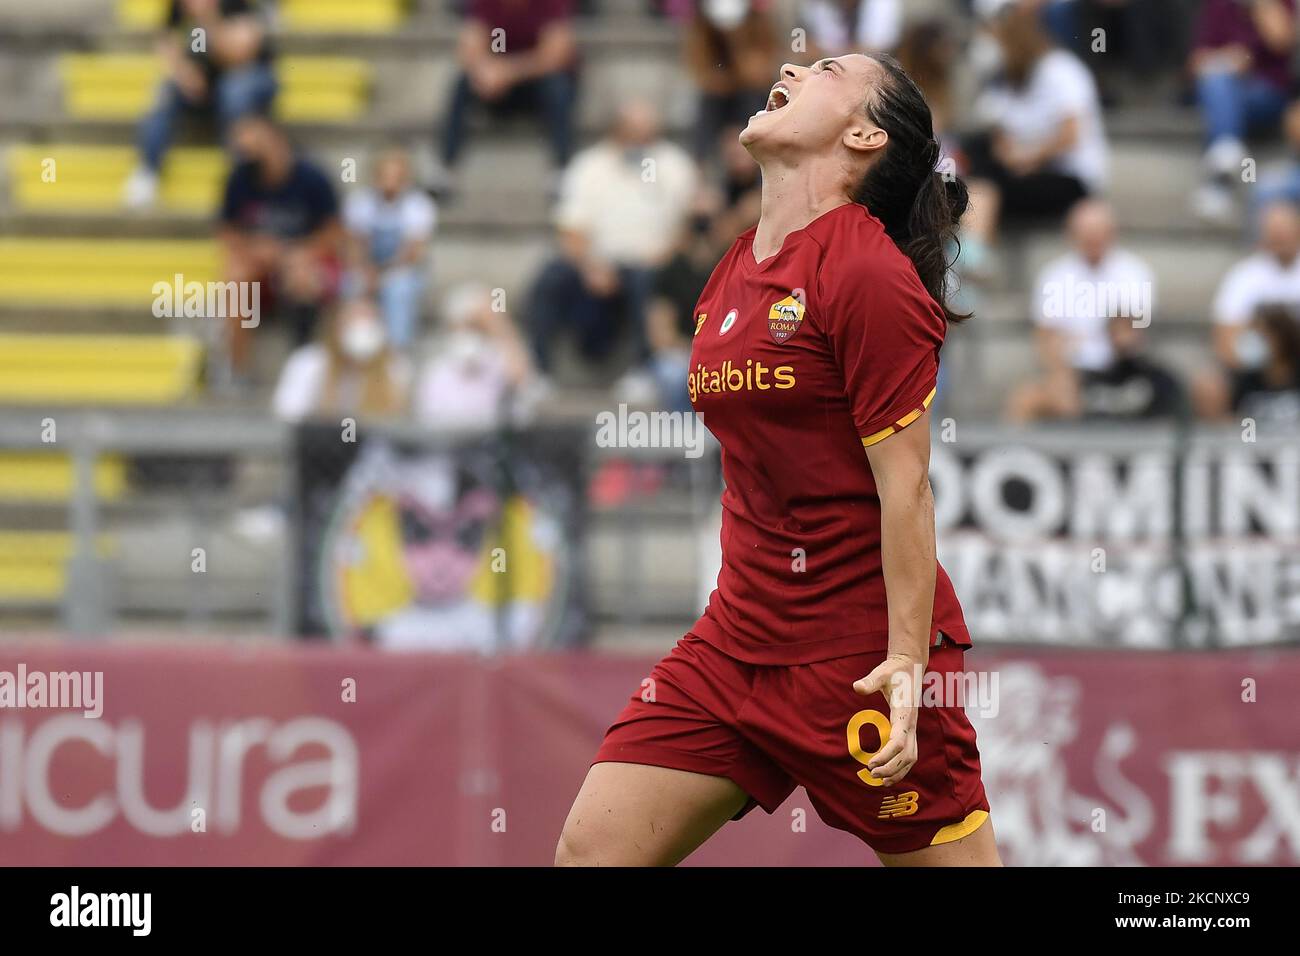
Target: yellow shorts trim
902,423
955,831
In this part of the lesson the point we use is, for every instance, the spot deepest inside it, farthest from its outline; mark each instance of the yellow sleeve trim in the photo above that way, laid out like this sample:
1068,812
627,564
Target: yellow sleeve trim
902,423
955,831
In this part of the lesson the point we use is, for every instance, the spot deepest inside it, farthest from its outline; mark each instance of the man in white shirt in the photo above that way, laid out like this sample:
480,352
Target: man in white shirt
1270,276
622,204
1074,298
1076,294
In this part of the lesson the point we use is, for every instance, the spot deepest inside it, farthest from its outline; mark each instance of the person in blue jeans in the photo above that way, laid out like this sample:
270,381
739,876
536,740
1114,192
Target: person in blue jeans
1278,182
514,56
217,59
1241,58
390,227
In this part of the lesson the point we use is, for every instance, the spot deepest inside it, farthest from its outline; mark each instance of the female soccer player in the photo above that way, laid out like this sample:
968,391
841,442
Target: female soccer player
814,363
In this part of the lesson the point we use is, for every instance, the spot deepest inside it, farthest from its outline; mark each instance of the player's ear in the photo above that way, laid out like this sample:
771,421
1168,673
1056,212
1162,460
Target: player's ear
865,137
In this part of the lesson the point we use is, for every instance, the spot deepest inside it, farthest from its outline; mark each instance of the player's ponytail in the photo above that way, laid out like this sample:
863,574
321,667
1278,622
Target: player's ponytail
919,205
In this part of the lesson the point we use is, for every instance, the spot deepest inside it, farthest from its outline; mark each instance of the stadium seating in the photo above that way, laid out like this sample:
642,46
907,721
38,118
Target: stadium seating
89,273
33,565
122,86
34,477
98,369
76,178
369,16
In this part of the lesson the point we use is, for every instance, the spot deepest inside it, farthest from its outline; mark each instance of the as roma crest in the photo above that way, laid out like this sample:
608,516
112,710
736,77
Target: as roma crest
785,317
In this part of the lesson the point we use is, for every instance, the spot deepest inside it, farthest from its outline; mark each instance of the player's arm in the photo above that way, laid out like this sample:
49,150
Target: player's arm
901,465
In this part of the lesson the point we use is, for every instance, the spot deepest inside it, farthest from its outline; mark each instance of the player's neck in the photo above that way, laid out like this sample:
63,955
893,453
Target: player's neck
793,196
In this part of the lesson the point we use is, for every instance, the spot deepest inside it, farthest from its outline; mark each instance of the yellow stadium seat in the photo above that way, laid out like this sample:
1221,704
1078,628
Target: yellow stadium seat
46,476
360,16
88,178
99,272
123,86
99,369
33,564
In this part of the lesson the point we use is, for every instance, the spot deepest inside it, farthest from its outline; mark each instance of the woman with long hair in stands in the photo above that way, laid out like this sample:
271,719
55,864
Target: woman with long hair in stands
814,363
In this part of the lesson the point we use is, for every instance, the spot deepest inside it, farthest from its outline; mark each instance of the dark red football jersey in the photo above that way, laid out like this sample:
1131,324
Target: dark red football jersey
798,363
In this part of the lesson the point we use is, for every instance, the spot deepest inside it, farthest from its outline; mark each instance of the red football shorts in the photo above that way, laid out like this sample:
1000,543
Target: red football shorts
771,728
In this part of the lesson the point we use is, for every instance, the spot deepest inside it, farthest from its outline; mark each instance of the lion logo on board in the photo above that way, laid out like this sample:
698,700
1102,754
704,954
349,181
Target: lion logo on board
785,317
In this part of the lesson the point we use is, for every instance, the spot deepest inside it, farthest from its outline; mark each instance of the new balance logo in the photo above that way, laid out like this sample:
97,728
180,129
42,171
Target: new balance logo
899,805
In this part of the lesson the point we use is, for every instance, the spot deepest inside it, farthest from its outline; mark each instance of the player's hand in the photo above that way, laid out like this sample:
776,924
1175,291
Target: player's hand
898,678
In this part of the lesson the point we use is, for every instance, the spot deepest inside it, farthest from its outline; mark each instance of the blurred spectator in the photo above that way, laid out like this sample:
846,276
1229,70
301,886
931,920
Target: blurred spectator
1270,276
230,75
1075,296
1143,37
389,229
623,202
734,205
927,52
836,27
515,56
480,372
1130,386
732,54
1265,383
1279,182
1046,147
671,316
352,372
279,226
1241,58
740,174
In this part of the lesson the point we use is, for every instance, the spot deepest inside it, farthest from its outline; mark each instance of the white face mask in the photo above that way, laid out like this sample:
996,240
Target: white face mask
726,14
1251,348
467,347
362,340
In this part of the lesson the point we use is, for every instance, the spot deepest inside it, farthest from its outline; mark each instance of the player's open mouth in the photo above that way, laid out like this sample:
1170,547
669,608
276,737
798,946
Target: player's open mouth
778,98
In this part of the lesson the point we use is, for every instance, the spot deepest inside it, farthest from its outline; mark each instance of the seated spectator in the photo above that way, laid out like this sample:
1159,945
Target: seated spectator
732,201
671,316
1268,277
279,226
480,374
1265,385
1075,296
732,54
740,174
927,51
1279,182
515,56
230,76
836,27
351,373
623,203
1241,58
1130,387
1142,37
389,229
1045,148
